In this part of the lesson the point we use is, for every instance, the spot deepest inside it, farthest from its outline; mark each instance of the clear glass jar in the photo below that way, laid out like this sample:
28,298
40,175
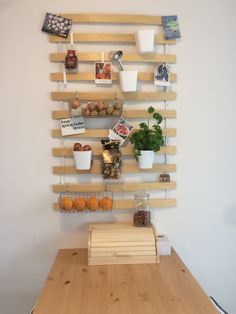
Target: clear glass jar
142,215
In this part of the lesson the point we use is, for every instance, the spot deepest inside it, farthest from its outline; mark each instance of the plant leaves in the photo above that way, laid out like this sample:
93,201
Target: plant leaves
151,109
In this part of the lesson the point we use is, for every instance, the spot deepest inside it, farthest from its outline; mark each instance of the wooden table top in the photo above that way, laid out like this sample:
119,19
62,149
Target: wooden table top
73,287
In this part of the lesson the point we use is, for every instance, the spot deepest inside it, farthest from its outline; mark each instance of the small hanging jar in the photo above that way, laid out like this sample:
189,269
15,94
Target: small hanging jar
71,60
142,215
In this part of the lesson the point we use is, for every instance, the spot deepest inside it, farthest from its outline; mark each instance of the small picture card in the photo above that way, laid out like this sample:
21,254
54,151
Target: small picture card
162,75
171,27
120,131
72,126
57,25
103,72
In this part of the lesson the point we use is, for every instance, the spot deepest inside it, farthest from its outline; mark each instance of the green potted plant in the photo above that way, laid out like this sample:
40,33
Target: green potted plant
148,139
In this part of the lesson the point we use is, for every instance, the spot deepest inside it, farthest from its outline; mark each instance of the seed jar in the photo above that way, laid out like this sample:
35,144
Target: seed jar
142,215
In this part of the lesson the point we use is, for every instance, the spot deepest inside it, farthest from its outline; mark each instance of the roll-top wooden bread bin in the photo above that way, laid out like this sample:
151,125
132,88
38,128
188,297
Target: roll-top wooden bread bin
122,243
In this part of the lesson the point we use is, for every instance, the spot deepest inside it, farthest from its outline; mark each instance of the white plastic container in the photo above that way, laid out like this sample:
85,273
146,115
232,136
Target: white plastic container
164,245
128,81
145,40
145,161
82,159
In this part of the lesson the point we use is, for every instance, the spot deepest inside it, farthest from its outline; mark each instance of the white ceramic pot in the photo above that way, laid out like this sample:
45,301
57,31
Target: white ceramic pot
128,81
82,159
145,40
145,161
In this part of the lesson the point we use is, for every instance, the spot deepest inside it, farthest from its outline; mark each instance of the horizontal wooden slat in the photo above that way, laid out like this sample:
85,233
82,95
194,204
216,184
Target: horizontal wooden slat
89,76
123,260
127,243
127,114
100,133
130,204
126,151
122,236
136,96
114,187
110,254
107,38
125,249
113,18
129,57
130,167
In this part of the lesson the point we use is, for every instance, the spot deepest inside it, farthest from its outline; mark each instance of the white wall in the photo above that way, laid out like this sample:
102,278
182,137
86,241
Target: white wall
202,227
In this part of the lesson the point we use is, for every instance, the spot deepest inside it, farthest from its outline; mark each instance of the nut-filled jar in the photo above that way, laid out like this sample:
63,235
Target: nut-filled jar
142,214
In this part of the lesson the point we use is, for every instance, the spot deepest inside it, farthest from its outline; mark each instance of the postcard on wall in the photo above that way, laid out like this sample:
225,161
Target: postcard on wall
57,25
103,72
120,131
171,27
162,75
72,126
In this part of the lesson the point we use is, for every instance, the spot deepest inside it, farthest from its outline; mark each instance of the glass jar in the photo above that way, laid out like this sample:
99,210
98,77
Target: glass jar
142,215
71,60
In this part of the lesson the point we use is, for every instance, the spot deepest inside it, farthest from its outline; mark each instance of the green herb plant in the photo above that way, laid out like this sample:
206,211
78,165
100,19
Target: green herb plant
148,137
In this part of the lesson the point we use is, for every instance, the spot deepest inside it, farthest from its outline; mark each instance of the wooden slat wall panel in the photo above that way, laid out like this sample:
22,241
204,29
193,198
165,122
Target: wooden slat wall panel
129,57
113,18
138,96
126,151
129,166
126,168
130,204
89,76
100,133
127,114
106,38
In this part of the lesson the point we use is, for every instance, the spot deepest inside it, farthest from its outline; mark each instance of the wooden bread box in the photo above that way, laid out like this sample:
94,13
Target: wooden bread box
122,243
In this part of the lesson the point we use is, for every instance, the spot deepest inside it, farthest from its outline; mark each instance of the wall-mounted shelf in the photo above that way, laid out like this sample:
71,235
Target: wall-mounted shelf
159,98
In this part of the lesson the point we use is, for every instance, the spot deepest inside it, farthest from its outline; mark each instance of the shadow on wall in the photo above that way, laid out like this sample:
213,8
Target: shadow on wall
26,270
230,215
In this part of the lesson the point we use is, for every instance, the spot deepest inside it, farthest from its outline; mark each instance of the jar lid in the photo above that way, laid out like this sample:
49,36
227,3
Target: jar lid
142,195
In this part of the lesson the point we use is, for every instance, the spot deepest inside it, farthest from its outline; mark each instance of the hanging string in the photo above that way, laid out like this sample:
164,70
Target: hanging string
61,88
165,122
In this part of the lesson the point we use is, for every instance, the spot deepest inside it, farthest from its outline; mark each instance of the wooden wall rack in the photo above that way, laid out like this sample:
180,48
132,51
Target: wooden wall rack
160,98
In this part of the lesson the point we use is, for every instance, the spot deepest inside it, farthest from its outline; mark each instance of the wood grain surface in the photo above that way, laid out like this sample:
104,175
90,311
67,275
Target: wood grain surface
73,287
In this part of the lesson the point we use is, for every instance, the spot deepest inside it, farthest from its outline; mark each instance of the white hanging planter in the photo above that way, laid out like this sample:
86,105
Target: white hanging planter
146,159
145,40
82,159
128,81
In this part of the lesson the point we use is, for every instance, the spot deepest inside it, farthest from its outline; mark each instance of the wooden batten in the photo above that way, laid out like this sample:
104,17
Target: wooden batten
127,114
89,76
129,57
126,151
137,96
88,18
130,167
122,204
100,133
107,38
114,187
